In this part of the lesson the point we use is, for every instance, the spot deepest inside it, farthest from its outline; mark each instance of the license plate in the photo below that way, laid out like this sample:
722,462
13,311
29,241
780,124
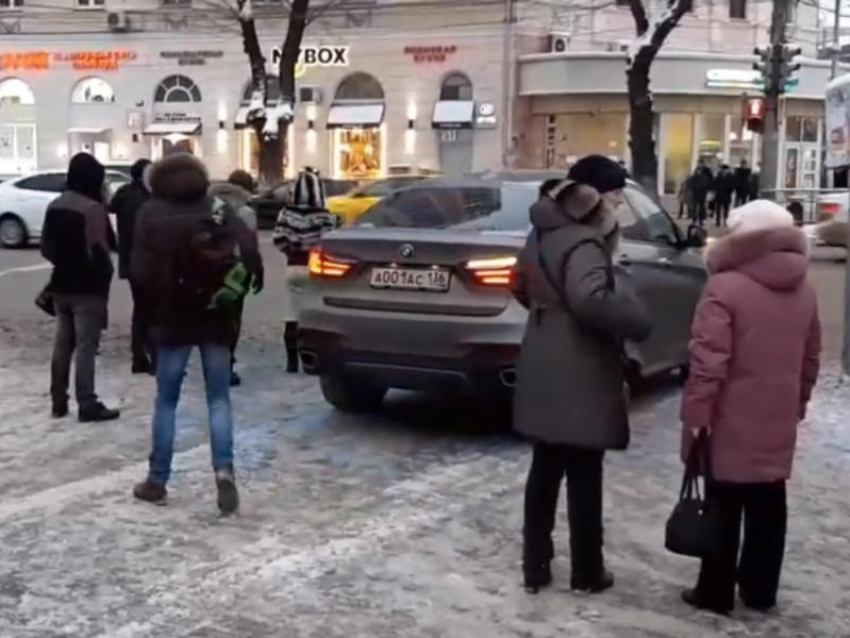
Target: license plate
432,280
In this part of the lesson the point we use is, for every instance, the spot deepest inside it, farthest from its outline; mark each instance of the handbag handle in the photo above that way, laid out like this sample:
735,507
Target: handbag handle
699,457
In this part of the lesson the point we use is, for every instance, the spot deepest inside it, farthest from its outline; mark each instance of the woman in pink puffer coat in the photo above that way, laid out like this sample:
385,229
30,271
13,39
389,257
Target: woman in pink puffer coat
755,353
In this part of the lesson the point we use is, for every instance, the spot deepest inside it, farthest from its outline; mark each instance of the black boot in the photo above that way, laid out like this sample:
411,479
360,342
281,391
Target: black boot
537,563
290,340
594,584
693,598
97,412
150,492
228,495
60,408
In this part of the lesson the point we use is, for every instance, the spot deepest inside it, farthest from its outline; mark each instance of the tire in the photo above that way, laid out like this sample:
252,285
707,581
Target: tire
350,396
13,232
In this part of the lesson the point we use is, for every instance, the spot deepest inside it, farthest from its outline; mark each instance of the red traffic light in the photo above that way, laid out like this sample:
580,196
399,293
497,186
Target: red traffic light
754,114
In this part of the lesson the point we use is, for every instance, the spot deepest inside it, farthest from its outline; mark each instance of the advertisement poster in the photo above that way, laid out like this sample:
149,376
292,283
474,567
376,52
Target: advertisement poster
838,123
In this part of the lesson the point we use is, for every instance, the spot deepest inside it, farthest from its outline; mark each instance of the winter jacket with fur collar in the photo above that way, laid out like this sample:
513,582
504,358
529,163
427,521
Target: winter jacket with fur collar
755,352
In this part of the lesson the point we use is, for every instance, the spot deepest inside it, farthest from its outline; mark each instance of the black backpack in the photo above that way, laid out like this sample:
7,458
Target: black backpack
210,273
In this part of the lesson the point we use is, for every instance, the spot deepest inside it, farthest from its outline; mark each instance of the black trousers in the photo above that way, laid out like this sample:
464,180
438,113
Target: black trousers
763,508
721,211
583,469
144,352
700,210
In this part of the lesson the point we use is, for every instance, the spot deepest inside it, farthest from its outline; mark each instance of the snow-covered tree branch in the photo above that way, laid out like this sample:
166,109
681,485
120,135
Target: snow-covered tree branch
650,38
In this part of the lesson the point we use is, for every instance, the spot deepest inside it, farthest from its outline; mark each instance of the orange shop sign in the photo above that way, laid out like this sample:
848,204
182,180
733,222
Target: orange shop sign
434,53
79,60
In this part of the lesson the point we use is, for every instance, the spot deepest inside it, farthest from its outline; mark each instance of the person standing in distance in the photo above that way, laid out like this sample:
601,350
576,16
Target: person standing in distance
300,226
77,239
570,397
126,204
191,254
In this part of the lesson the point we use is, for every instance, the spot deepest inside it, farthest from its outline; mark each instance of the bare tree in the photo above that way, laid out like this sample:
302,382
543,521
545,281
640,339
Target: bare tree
642,53
270,119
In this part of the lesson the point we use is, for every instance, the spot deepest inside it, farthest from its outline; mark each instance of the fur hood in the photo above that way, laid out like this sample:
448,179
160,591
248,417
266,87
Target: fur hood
577,202
179,178
776,258
233,194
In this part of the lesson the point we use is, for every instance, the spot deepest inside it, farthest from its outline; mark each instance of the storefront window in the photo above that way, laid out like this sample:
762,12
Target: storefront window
359,153
92,90
16,92
712,129
677,132
580,134
810,129
740,142
177,88
456,87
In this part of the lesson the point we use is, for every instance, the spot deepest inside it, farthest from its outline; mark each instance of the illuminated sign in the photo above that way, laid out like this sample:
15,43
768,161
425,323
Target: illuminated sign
79,60
733,79
435,53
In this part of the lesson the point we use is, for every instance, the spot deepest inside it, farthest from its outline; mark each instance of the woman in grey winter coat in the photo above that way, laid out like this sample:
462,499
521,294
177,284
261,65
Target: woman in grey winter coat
569,397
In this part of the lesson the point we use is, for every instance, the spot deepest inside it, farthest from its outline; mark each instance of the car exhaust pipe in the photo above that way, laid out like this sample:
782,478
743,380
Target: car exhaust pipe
508,377
309,360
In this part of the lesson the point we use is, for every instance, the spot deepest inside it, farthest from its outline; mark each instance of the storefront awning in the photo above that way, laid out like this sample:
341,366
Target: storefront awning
240,120
88,130
167,128
355,115
453,114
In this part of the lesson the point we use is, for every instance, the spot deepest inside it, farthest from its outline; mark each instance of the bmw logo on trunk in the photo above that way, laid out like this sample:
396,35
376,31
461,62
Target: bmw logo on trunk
407,251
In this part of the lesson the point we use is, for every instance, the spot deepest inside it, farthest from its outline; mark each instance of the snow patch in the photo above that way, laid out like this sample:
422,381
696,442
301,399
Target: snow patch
246,13
274,114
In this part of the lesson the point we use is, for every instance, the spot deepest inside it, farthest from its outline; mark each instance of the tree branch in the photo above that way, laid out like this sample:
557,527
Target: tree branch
640,17
649,43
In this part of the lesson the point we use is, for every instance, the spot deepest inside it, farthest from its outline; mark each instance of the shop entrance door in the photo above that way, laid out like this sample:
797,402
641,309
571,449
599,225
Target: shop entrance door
455,151
801,167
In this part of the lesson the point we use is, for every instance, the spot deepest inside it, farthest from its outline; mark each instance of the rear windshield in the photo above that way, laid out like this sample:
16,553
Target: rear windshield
486,207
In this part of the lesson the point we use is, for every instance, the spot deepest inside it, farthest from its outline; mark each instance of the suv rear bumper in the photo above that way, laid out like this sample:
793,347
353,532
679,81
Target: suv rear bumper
484,369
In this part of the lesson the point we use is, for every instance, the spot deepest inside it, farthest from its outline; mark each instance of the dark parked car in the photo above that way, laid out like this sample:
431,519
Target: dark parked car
269,202
417,294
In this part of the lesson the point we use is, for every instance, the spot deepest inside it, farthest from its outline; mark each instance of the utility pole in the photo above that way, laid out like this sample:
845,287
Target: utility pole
507,84
836,34
773,88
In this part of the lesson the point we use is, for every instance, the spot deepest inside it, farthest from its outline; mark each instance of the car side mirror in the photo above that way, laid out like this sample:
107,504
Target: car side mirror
697,237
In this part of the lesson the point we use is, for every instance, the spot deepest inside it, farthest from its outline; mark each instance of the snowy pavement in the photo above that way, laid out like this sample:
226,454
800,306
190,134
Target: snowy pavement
406,524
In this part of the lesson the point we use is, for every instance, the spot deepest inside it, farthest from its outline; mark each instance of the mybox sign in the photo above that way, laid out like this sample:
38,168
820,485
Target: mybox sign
316,56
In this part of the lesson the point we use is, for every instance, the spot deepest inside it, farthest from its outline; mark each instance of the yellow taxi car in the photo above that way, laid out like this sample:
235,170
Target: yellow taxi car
357,201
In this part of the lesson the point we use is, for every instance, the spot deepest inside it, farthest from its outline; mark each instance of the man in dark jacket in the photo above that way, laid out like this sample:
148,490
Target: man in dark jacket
742,183
77,239
181,236
724,188
569,397
126,204
702,183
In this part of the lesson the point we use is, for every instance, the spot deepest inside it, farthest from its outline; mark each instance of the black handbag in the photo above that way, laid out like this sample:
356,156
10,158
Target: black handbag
692,529
44,302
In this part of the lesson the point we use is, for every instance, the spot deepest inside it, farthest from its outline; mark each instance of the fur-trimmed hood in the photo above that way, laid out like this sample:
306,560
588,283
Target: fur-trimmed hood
776,258
577,202
180,178
233,194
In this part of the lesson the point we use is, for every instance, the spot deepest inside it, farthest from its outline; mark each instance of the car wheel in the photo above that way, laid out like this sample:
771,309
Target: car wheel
347,395
13,232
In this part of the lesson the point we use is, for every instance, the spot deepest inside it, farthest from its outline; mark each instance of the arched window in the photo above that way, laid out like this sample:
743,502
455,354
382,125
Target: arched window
177,88
17,92
272,88
456,87
92,90
360,87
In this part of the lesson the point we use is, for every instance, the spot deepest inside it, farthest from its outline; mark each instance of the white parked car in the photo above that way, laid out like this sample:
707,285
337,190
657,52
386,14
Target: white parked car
832,216
24,201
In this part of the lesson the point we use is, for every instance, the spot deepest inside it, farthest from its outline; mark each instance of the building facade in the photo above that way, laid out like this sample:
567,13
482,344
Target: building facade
575,98
382,87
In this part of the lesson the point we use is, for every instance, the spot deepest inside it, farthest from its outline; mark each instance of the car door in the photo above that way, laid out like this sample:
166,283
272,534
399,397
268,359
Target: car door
637,262
34,196
675,273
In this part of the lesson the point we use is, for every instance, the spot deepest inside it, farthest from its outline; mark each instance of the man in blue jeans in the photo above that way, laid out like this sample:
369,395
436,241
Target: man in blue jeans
184,241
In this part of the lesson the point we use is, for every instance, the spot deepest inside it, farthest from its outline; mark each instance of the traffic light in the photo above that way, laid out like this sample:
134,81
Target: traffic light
754,114
788,67
764,66
777,67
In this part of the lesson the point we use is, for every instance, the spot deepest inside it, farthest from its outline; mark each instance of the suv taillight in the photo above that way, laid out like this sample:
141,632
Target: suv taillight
322,265
494,271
